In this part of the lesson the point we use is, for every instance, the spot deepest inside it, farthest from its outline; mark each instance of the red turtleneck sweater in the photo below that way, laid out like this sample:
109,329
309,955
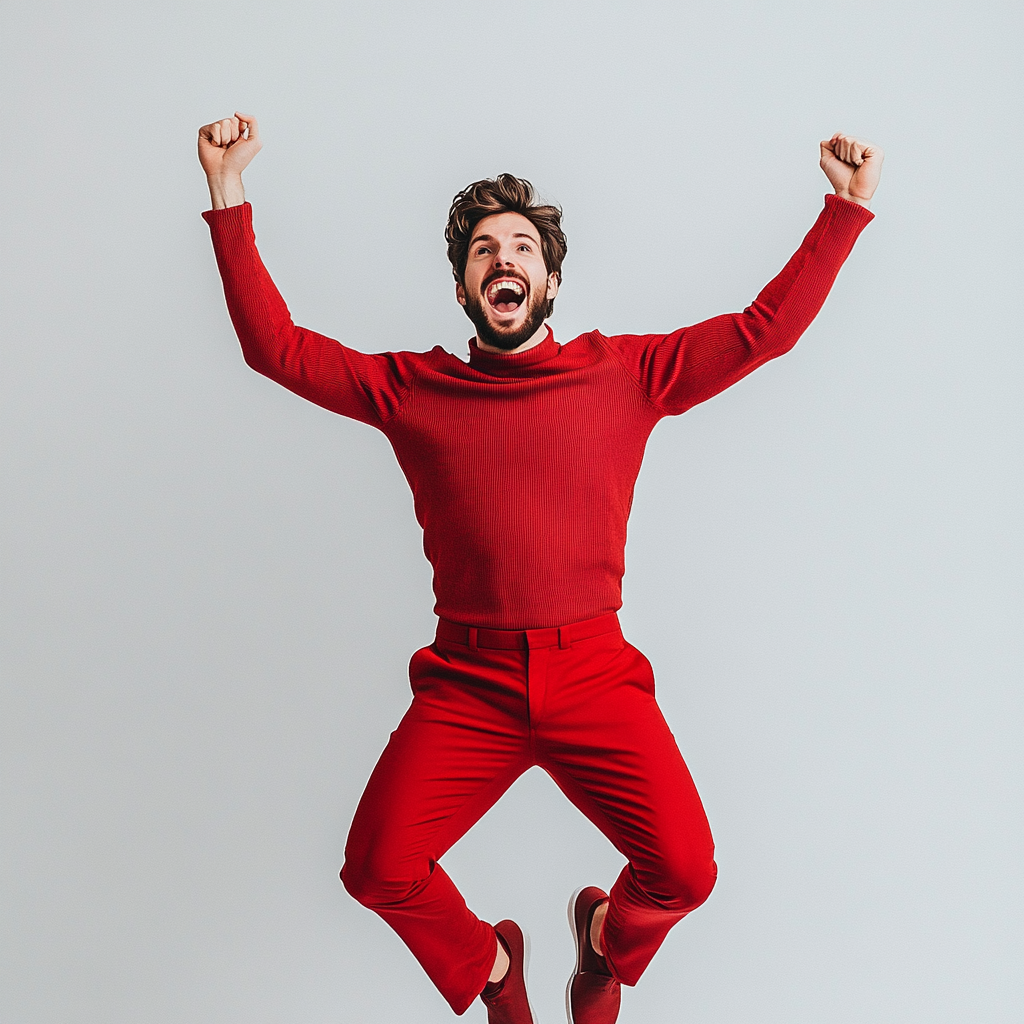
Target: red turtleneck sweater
522,466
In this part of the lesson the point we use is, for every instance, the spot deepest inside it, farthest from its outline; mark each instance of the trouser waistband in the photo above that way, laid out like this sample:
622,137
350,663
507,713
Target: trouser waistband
526,639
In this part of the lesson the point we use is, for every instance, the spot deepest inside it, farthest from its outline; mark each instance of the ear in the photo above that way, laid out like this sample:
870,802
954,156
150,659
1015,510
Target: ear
460,293
552,285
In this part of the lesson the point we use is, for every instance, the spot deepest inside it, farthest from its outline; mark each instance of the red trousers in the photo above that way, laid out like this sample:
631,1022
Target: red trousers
488,704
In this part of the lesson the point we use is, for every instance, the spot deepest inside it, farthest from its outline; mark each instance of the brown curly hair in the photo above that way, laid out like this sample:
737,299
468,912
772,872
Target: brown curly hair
504,194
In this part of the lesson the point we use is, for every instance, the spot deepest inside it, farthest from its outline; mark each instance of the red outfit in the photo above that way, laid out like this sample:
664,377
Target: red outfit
585,712
522,468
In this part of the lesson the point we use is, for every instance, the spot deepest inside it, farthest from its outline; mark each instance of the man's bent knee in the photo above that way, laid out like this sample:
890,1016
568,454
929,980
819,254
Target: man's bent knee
701,883
372,885
682,886
364,885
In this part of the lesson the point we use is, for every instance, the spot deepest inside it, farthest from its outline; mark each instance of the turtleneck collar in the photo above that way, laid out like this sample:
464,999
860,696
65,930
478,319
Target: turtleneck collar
513,364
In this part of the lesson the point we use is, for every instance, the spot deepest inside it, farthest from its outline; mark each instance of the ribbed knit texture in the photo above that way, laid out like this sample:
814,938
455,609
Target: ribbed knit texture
522,466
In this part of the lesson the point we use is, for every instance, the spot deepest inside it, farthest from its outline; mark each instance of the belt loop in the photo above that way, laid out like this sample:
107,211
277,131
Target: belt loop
472,638
563,639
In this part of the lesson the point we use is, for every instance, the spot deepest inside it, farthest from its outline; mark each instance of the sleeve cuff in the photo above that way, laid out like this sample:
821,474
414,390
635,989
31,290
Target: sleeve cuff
845,208
229,215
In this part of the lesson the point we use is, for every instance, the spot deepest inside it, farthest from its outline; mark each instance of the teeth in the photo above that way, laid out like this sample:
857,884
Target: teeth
513,286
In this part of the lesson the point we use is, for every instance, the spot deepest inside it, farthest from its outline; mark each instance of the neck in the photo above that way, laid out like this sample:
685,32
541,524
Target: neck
535,339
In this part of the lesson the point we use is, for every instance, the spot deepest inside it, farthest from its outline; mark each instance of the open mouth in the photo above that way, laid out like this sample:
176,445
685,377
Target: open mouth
505,295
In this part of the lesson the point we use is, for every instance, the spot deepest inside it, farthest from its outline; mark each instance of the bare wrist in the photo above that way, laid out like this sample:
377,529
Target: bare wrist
225,190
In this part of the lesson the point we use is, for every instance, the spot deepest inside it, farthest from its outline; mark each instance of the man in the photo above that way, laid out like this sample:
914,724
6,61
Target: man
522,465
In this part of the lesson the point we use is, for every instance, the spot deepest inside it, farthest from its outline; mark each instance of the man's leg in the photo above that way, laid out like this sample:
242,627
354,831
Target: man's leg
605,742
462,743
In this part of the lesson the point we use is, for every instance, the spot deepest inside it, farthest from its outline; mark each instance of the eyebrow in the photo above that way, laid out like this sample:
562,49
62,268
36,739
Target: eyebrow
518,234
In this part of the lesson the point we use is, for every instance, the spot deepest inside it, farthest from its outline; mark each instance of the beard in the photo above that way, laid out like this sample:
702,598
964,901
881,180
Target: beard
510,338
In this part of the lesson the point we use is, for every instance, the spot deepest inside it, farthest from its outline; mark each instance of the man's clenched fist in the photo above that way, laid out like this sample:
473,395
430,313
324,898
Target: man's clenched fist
225,149
852,166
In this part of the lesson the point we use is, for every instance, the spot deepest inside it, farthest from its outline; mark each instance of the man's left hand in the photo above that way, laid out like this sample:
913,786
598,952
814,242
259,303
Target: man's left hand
853,166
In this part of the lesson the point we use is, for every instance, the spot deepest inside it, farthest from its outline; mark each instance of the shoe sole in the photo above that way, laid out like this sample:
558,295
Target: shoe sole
526,973
579,952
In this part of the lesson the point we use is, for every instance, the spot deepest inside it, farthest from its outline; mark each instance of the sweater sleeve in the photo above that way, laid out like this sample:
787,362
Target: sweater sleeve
370,388
679,370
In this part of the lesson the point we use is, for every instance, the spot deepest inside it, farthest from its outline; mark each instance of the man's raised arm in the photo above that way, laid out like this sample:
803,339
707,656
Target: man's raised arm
688,366
365,387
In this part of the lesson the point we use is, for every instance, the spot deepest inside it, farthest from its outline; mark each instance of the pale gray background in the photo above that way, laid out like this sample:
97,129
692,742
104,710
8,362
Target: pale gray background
212,588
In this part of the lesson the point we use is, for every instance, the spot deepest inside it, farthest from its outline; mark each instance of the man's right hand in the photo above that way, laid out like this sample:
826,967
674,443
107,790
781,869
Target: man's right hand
225,149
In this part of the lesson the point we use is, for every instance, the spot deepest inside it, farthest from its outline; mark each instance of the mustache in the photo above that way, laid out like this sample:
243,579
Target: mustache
508,274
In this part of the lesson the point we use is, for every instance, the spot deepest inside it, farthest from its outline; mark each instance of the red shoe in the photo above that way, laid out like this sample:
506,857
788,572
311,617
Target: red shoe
592,995
506,1000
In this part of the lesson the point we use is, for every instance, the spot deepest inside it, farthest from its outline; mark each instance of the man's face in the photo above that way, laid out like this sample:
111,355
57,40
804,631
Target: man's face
507,286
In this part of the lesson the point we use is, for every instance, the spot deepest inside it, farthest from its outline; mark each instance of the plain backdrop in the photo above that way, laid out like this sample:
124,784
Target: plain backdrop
212,589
